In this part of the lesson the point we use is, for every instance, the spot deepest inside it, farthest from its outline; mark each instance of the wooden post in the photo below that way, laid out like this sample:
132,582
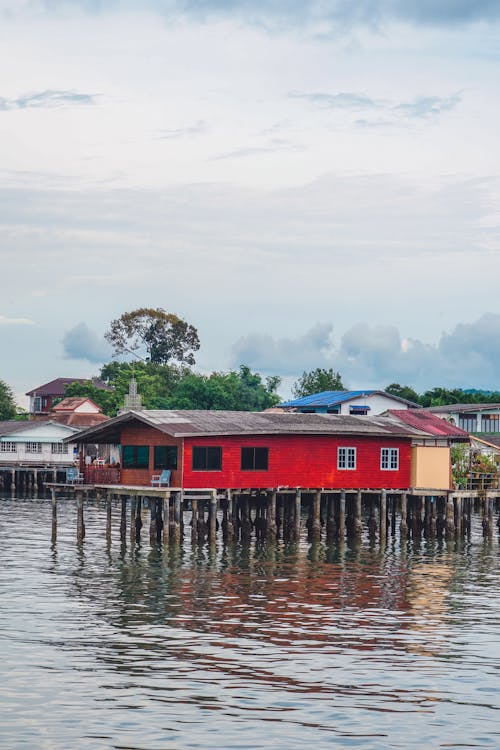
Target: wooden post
177,518
138,518
331,527
383,515
403,529
153,520
246,524
123,518
194,520
358,524
450,517
133,511
342,515
108,517
80,524
271,528
458,517
54,515
316,517
166,518
229,527
213,518
297,506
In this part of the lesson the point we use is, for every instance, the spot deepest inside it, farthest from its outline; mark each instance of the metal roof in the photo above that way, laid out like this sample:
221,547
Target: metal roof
205,423
447,408
57,387
424,420
333,398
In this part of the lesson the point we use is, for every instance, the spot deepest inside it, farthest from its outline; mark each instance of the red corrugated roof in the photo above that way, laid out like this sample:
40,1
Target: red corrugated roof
424,420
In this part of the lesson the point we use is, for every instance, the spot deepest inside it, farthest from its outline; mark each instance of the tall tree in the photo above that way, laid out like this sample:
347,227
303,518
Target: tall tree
7,404
403,391
162,336
316,381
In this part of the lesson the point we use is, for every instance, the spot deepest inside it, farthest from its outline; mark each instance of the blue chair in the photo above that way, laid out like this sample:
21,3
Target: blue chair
73,476
161,480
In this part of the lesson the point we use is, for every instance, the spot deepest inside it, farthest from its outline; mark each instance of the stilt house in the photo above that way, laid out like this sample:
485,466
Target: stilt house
233,449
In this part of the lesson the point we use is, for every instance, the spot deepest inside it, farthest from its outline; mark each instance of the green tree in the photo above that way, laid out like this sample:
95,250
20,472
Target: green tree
403,391
164,337
7,404
316,381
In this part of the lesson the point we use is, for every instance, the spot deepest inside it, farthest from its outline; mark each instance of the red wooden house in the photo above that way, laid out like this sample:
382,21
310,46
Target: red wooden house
235,450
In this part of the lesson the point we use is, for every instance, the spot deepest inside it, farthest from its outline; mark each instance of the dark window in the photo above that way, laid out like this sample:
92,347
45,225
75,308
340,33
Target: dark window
207,458
135,456
253,459
165,456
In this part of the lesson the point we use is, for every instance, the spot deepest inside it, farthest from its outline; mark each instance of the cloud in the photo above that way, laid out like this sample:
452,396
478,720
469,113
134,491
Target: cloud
82,343
376,355
429,106
198,128
342,100
327,16
273,146
5,321
47,99
421,107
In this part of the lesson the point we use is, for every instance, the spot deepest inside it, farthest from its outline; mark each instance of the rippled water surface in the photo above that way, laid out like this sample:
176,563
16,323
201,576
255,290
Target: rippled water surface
113,647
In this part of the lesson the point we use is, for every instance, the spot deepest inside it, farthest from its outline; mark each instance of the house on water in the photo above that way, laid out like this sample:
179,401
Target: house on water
258,451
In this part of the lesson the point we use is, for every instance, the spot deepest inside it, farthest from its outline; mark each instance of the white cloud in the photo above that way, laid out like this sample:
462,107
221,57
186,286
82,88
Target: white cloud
6,321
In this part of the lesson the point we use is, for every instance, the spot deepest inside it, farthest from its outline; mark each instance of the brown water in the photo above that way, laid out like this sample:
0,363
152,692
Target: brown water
300,647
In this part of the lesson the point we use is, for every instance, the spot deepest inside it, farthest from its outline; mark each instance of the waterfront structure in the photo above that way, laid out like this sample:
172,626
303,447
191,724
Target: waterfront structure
230,450
33,451
476,419
43,397
365,402
430,453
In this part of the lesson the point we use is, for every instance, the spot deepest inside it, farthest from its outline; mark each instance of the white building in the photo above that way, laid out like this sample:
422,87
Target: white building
36,444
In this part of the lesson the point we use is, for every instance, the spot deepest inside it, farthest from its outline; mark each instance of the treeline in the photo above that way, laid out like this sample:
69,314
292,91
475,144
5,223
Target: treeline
442,396
174,387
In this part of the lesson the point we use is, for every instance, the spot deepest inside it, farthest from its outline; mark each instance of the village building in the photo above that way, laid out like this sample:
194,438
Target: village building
366,402
43,398
78,412
476,419
431,452
258,451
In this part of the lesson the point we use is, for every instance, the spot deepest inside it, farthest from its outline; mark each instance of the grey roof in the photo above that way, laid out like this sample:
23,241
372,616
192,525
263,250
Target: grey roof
462,408
14,425
192,423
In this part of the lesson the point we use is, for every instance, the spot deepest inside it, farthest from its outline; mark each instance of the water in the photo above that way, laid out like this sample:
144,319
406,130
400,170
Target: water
245,648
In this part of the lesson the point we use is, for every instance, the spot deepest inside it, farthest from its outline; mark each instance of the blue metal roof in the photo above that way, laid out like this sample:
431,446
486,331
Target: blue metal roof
325,398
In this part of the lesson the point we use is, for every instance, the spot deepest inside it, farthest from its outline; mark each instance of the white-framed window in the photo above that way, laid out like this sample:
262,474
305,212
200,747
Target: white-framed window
8,447
389,459
346,458
59,448
33,447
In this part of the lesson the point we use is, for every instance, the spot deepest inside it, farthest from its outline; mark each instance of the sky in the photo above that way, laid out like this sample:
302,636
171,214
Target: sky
310,184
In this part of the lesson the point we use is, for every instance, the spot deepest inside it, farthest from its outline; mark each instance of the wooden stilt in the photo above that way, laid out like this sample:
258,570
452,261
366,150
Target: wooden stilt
177,518
109,498
271,527
296,518
80,524
357,525
123,519
383,515
153,520
166,518
450,517
331,526
342,515
403,528
54,515
213,518
133,512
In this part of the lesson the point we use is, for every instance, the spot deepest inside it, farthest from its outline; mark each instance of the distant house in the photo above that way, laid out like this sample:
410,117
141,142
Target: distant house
347,402
77,412
476,419
36,444
43,397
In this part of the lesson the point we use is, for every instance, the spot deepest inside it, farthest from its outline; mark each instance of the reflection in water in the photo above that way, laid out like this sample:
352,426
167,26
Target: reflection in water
262,645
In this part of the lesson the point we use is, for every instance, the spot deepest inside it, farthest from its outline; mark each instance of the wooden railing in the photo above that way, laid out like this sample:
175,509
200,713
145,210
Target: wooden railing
101,475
